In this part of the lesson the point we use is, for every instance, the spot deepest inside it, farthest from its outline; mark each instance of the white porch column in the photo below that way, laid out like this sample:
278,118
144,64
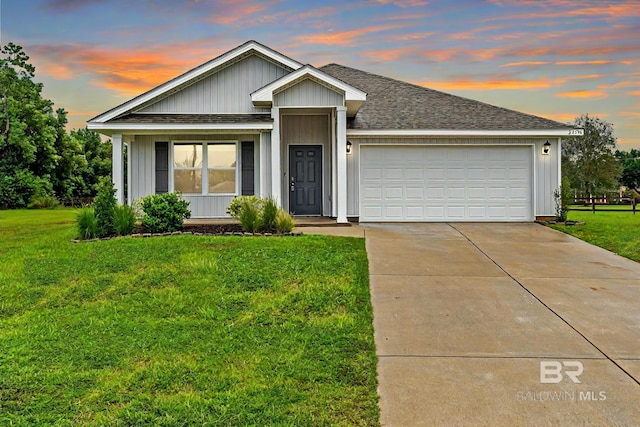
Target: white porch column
129,174
117,165
559,160
276,174
265,169
341,164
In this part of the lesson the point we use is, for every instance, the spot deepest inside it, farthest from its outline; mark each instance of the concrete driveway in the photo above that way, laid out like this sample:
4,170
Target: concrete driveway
464,314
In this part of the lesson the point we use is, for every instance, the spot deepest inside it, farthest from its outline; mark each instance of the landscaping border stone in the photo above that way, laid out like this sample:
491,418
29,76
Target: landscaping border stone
190,233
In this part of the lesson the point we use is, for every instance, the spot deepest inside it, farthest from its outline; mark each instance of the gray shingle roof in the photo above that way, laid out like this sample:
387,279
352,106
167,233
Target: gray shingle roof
393,104
193,118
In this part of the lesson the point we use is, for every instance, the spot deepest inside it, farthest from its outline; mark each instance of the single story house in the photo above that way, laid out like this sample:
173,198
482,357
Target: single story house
332,141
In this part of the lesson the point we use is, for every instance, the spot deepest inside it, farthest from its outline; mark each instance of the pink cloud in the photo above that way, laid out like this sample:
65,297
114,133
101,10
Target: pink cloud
405,3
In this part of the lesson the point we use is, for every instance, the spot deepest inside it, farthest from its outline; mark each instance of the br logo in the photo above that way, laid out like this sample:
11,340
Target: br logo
551,371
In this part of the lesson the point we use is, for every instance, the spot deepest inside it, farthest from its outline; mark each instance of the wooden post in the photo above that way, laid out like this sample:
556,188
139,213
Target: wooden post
593,204
633,205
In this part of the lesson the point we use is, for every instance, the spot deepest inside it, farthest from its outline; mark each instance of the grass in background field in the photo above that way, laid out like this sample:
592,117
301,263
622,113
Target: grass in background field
182,330
618,232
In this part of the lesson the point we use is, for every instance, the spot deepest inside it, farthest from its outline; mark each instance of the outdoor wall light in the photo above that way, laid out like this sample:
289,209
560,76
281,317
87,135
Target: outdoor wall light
349,144
546,148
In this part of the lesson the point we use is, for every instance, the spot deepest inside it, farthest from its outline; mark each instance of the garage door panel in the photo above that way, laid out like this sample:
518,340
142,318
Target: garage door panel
434,174
518,174
372,174
435,213
415,193
456,174
497,193
477,174
435,193
414,174
497,174
372,193
477,212
456,193
414,213
496,212
455,212
393,193
393,213
477,193
425,183
393,174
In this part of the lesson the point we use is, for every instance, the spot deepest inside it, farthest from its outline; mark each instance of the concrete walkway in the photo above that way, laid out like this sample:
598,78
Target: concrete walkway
464,314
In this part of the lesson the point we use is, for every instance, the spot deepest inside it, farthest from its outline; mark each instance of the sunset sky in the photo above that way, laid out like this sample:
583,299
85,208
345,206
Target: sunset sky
556,58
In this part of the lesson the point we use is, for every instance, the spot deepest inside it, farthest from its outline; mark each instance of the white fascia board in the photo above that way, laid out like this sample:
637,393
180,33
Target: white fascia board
196,72
435,132
265,94
126,127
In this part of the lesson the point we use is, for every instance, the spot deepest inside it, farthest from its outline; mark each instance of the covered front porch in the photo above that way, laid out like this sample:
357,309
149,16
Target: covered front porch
212,166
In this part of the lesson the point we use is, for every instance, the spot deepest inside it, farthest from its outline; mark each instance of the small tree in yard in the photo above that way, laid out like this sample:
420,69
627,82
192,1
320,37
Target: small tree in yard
563,197
588,161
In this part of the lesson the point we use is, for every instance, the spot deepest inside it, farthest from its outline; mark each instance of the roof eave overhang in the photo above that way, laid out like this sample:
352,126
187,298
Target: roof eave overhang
463,132
190,75
153,128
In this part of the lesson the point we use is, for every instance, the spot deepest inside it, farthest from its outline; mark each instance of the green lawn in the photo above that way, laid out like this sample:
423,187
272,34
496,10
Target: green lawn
618,232
182,330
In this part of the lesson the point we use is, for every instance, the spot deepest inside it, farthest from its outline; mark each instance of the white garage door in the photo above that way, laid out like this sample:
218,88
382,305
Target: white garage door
420,183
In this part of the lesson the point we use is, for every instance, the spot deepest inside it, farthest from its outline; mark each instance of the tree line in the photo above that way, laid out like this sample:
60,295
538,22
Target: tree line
592,164
38,157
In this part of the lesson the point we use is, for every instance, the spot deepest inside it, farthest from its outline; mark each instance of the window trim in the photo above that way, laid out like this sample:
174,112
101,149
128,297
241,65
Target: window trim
205,166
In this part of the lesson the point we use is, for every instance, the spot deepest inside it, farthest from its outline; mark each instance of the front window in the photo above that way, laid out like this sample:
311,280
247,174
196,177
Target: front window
222,168
209,166
187,168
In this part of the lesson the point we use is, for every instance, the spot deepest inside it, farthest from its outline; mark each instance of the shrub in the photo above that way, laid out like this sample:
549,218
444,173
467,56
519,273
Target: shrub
254,213
87,223
284,223
164,212
236,205
43,202
124,220
250,214
563,197
270,210
104,205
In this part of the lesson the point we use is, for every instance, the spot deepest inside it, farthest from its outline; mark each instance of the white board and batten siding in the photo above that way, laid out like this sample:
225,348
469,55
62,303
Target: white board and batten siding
308,93
226,91
450,179
143,171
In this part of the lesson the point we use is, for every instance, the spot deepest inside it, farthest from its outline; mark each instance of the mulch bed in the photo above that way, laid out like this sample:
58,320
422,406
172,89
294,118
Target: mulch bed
197,230
213,228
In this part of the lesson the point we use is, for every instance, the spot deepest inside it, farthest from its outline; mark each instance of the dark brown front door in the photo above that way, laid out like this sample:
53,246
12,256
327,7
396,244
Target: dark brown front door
305,182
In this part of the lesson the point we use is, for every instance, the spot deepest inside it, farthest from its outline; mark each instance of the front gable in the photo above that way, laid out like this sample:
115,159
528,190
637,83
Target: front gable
304,84
252,58
308,92
224,90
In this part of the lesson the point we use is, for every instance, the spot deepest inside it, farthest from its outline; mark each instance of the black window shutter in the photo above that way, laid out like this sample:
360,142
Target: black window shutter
162,167
247,168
